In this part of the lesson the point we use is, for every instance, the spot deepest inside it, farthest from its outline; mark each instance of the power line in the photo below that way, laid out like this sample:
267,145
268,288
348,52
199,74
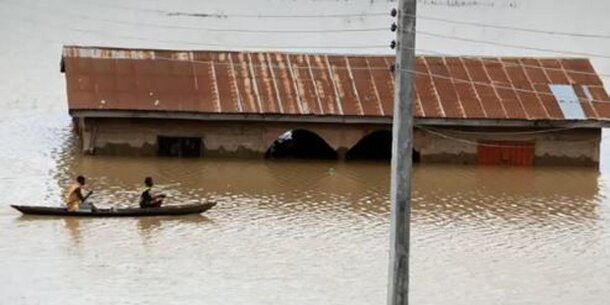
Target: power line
520,64
338,47
301,31
511,45
213,45
123,7
456,80
223,15
234,30
319,31
513,28
323,31
372,68
483,59
459,80
452,79
199,28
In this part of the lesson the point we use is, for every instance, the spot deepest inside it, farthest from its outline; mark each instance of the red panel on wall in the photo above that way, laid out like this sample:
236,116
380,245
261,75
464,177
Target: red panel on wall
505,153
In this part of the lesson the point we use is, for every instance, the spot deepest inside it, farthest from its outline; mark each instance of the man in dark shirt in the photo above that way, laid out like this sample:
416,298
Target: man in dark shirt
149,199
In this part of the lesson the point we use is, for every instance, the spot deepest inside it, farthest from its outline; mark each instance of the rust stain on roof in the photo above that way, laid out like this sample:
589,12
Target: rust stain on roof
329,85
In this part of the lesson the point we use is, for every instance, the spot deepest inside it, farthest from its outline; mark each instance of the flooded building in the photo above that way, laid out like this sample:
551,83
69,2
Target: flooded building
512,111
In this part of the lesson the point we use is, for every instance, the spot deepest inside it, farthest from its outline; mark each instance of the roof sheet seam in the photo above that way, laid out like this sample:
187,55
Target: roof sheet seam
275,87
238,93
531,87
315,86
331,75
471,84
372,81
512,84
354,87
439,103
495,90
254,83
295,85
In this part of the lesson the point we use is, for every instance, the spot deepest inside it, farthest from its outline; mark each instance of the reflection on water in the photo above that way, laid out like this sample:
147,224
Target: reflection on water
282,232
147,226
307,232
72,225
507,195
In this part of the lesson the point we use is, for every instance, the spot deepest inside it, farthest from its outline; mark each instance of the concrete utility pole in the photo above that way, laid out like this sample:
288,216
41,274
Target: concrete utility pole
402,146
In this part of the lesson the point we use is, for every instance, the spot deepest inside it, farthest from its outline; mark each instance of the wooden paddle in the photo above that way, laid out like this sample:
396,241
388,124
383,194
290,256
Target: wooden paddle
93,208
86,196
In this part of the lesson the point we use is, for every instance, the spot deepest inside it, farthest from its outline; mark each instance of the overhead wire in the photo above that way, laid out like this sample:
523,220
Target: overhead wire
215,45
433,75
496,60
363,14
377,29
199,28
347,30
223,15
459,80
453,79
466,141
513,28
155,25
420,126
332,30
507,45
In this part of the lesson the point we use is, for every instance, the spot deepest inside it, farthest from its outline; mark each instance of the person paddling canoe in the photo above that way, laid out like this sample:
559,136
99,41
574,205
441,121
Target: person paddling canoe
149,199
74,196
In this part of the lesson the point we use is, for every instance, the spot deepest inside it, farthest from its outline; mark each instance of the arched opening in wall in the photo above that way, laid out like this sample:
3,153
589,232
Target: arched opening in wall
375,146
300,144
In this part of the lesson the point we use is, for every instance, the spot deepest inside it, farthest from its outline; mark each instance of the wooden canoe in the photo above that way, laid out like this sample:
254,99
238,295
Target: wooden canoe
167,210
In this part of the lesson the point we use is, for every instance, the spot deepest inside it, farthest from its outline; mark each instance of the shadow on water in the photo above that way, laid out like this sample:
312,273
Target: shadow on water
359,188
78,229
72,225
535,196
441,193
147,226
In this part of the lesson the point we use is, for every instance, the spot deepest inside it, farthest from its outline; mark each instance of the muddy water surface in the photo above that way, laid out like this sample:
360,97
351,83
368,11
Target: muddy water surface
295,232
283,232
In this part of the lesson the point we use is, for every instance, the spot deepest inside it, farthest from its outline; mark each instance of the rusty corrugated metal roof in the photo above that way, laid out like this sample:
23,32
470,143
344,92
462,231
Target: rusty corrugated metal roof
325,85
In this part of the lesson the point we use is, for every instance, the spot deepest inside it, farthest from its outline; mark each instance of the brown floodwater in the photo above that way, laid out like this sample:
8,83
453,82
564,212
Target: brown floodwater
289,232
283,232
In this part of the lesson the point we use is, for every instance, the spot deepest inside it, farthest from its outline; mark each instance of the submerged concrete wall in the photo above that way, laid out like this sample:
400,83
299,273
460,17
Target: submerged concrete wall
253,139
241,139
551,147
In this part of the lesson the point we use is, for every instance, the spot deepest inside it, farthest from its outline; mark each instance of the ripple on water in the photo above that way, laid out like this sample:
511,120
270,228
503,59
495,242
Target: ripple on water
294,228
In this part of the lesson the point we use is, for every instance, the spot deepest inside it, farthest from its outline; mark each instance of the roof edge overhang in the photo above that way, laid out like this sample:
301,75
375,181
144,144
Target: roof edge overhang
312,52
220,49
355,119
